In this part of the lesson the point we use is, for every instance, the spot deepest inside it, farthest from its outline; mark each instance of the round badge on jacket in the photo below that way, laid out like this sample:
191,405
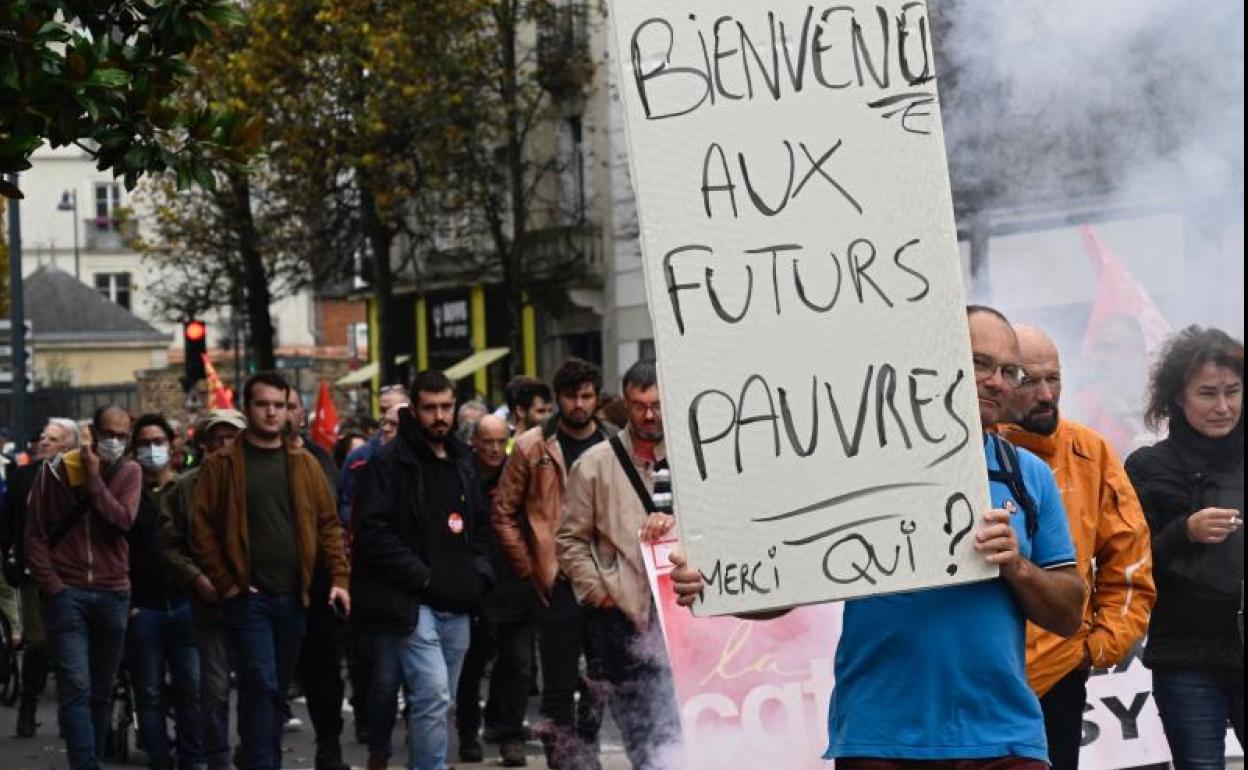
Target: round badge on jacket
455,523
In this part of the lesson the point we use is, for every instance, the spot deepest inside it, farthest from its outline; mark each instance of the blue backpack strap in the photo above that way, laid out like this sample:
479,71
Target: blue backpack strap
1010,473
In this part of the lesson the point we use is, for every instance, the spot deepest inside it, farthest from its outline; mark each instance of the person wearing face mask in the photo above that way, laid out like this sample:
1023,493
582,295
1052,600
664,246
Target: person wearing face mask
161,636
79,557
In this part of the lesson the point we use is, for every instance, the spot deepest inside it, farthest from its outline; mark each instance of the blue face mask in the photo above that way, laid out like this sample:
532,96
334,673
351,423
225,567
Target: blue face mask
154,457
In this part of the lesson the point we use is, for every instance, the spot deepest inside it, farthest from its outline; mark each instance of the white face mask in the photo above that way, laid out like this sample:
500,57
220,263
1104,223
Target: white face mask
154,457
111,449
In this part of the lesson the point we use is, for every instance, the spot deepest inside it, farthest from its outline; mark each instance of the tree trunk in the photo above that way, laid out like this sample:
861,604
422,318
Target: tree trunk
512,253
380,237
256,289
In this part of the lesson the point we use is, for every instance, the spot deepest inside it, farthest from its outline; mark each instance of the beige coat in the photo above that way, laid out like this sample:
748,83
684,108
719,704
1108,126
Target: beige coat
598,543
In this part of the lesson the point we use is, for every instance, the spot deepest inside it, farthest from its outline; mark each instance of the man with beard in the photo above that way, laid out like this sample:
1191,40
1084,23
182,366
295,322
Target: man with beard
608,513
526,513
1108,528
421,566
957,653
262,519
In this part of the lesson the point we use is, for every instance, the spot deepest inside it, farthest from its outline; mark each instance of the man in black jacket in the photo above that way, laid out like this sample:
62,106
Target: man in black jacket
421,565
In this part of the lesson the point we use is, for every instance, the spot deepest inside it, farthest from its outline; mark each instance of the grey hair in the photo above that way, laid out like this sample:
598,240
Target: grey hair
73,437
469,427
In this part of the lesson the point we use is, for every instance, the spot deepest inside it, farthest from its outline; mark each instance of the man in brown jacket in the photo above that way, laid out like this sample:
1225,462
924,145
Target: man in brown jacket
1111,542
263,518
526,512
608,512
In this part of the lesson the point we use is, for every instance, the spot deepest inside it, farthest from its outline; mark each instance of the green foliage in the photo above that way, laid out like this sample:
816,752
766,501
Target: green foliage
105,75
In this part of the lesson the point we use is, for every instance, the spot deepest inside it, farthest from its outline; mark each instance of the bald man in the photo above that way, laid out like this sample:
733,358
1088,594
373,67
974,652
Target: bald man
1107,526
503,631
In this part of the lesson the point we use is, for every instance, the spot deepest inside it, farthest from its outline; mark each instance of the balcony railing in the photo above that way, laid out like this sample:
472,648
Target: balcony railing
564,65
569,252
108,234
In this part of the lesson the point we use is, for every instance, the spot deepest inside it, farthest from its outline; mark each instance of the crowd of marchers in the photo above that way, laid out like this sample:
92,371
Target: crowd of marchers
449,541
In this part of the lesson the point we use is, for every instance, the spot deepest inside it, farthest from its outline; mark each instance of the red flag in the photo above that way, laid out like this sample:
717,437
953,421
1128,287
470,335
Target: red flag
219,396
1119,296
325,419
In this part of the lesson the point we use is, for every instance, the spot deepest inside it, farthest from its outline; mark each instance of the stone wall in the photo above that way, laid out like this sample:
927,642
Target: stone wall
160,390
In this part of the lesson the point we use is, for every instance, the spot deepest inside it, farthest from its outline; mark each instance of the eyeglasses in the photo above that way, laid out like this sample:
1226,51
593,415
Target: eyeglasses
384,389
1031,383
641,409
986,367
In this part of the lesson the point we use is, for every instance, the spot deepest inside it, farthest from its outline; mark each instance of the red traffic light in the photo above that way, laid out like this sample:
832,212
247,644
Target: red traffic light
195,331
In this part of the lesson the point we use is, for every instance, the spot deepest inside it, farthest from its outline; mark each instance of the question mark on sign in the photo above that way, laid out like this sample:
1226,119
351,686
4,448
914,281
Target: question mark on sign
956,537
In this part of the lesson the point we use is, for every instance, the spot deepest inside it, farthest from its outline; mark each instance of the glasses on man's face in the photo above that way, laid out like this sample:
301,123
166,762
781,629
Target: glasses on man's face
389,389
642,409
1030,383
987,366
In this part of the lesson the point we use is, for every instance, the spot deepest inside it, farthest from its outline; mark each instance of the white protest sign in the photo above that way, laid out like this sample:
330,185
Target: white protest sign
804,285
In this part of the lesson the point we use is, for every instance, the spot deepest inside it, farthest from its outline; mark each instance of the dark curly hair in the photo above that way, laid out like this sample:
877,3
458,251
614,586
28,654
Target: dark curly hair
147,421
1180,358
574,373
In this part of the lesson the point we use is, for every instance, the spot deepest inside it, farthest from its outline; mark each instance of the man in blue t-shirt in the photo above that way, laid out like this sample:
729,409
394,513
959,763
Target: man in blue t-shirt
939,675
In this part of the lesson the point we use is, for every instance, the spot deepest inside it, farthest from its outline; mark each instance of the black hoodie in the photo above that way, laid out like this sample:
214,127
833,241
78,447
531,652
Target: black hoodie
420,533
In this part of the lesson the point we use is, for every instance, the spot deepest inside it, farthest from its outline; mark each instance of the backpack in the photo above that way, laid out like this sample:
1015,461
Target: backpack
1010,473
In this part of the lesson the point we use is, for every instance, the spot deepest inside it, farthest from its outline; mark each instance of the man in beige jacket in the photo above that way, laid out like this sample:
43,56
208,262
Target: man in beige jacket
608,511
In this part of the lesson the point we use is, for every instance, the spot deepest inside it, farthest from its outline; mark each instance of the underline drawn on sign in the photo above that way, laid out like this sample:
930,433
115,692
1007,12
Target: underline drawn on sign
909,105
843,498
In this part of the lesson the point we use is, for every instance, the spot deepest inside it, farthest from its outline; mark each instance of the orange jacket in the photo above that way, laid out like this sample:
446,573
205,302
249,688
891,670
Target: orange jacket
1109,529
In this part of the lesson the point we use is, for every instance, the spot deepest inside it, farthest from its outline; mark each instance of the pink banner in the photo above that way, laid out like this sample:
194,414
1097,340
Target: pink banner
752,694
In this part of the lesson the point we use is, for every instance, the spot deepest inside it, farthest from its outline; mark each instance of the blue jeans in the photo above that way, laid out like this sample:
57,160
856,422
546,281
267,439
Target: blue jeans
214,689
266,630
1195,706
383,690
430,660
160,640
87,630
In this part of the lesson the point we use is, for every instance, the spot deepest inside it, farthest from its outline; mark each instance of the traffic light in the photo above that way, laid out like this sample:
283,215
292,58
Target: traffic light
195,340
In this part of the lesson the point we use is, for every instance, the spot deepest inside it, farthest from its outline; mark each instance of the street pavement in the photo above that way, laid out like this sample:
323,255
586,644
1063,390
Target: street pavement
46,752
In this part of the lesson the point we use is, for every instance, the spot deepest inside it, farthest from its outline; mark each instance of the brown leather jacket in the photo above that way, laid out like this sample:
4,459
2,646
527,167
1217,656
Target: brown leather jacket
528,505
218,528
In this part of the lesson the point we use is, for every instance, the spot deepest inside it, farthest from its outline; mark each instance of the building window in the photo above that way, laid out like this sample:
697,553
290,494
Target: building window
107,201
572,171
115,287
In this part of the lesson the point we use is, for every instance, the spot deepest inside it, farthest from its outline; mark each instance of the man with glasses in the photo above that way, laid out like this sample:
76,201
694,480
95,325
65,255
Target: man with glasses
607,517
79,557
939,676
526,513
216,431
1108,527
